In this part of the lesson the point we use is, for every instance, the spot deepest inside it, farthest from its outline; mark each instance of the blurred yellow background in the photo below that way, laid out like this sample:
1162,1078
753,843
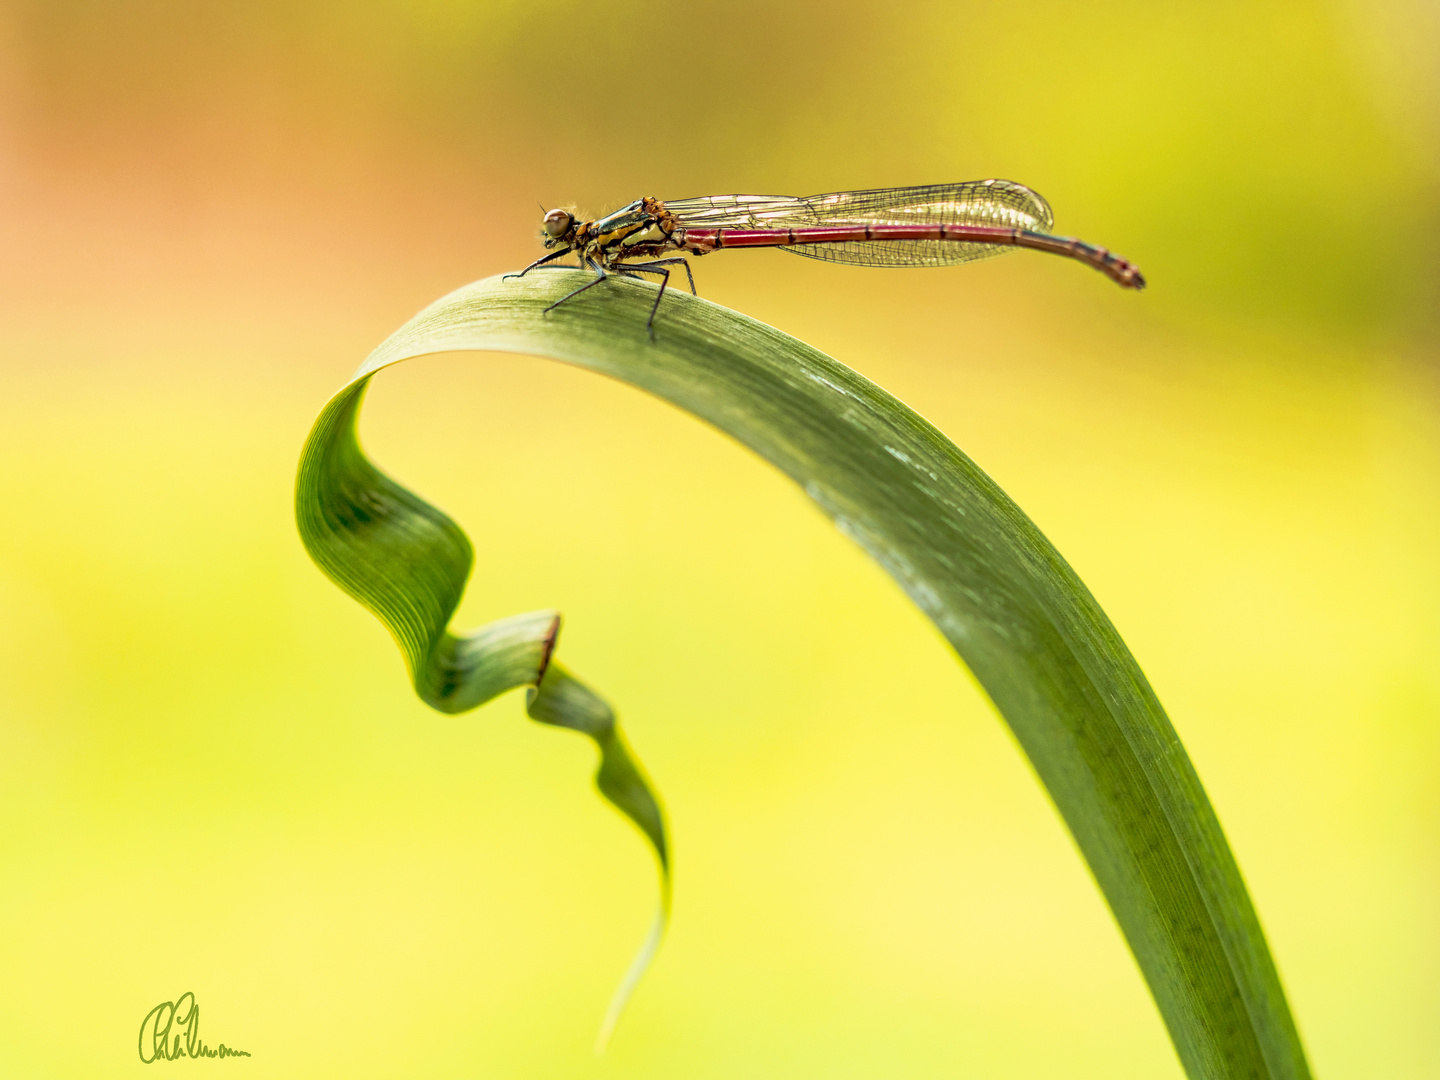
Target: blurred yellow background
214,776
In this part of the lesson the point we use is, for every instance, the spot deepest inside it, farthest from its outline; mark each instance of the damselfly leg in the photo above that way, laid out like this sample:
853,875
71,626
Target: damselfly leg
600,275
666,262
635,272
658,267
541,262
631,270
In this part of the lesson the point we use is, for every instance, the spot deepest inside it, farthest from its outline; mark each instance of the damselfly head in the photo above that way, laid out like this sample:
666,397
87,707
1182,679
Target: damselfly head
556,224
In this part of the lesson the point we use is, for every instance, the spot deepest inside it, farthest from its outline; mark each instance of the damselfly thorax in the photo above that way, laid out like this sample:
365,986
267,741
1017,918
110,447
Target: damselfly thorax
934,225
643,229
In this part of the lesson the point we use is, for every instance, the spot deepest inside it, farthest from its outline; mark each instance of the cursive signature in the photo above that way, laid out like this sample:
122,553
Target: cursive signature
182,1020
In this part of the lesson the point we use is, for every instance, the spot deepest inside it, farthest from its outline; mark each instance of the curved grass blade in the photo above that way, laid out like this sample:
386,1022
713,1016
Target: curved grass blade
1011,607
408,562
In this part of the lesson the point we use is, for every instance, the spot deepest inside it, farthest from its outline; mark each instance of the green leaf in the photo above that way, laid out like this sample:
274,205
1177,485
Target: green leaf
1016,614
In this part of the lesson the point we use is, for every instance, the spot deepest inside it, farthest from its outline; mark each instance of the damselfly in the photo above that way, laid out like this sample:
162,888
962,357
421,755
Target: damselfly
934,225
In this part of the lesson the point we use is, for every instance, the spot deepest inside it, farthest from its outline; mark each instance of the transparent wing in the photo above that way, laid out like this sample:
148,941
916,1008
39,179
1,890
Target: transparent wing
1001,203
742,212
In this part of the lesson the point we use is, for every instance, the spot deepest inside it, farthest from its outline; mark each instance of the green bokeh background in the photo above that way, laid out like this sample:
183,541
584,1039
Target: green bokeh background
214,777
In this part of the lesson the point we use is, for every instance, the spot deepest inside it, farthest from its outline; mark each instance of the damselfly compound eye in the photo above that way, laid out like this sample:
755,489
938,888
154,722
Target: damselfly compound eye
557,223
